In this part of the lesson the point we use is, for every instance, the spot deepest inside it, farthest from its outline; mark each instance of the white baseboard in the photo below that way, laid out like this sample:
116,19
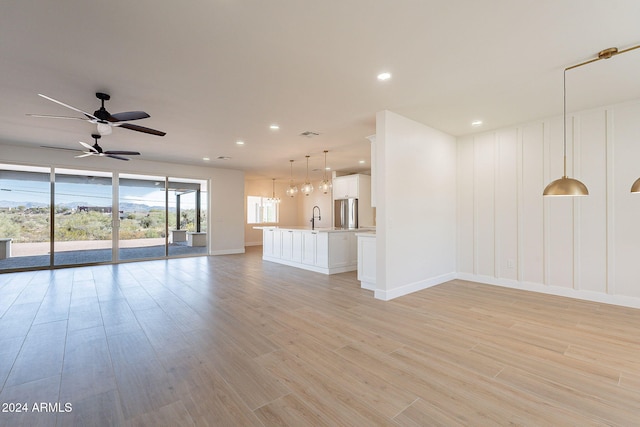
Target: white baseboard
625,301
227,252
413,287
253,243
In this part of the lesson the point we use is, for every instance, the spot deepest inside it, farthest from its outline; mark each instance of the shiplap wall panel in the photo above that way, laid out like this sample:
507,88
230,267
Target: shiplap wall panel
484,171
591,265
585,247
506,214
465,211
531,245
626,210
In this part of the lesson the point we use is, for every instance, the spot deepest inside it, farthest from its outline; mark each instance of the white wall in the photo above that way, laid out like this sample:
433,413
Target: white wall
225,210
416,198
586,247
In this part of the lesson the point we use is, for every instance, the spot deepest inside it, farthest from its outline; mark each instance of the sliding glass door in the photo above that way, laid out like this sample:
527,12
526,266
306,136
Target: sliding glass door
83,220
187,216
142,216
61,217
25,217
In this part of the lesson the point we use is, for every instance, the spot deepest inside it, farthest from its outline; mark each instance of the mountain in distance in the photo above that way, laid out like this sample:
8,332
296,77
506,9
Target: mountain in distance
12,204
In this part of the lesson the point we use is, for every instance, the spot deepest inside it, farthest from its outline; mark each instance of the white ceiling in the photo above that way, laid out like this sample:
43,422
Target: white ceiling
212,72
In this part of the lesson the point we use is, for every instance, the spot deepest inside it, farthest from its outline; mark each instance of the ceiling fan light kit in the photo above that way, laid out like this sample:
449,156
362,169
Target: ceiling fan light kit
566,186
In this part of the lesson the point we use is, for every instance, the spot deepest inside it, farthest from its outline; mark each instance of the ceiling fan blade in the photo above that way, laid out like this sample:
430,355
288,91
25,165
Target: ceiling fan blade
116,157
128,115
58,117
141,129
68,106
88,147
86,154
59,148
128,153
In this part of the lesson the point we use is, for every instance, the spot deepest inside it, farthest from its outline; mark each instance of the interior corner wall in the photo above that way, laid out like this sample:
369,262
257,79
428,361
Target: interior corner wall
416,215
581,247
226,190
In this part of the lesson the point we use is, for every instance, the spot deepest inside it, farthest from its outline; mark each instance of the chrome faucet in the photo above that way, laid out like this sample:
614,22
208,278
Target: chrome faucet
313,217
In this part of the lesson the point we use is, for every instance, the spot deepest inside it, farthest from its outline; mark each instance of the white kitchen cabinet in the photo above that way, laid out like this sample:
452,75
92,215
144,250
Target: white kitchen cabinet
287,244
356,186
346,187
323,251
268,242
342,249
291,245
367,260
309,244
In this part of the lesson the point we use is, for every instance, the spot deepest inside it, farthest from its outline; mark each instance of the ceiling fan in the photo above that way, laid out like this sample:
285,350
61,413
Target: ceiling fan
103,119
96,150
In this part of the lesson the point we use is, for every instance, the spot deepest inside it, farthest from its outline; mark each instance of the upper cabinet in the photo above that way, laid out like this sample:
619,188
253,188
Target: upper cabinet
352,187
346,187
356,186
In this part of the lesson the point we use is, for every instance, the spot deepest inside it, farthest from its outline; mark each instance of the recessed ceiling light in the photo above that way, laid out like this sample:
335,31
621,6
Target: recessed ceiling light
274,127
327,168
476,123
206,159
361,162
239,142
384,76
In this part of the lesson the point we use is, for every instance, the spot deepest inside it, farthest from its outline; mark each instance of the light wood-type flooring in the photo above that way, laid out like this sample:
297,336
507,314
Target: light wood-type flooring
235,341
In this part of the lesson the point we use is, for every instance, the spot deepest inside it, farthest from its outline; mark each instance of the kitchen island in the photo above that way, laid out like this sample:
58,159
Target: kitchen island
323,250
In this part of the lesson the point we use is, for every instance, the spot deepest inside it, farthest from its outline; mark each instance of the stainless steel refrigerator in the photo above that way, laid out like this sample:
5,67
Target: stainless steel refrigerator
345,213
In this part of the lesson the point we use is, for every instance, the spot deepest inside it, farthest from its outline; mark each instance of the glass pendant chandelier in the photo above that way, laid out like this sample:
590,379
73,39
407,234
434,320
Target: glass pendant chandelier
273,198
325,185
292,190
307,187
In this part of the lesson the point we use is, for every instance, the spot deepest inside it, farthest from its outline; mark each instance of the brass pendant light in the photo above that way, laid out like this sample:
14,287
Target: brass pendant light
566,186
307,187
292,190
325,185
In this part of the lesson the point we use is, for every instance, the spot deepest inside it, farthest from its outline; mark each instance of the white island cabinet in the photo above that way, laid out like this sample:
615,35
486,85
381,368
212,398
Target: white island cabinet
323,250
367,260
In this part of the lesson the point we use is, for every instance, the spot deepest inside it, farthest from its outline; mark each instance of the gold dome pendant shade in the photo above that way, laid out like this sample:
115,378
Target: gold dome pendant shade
635,188
566,186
